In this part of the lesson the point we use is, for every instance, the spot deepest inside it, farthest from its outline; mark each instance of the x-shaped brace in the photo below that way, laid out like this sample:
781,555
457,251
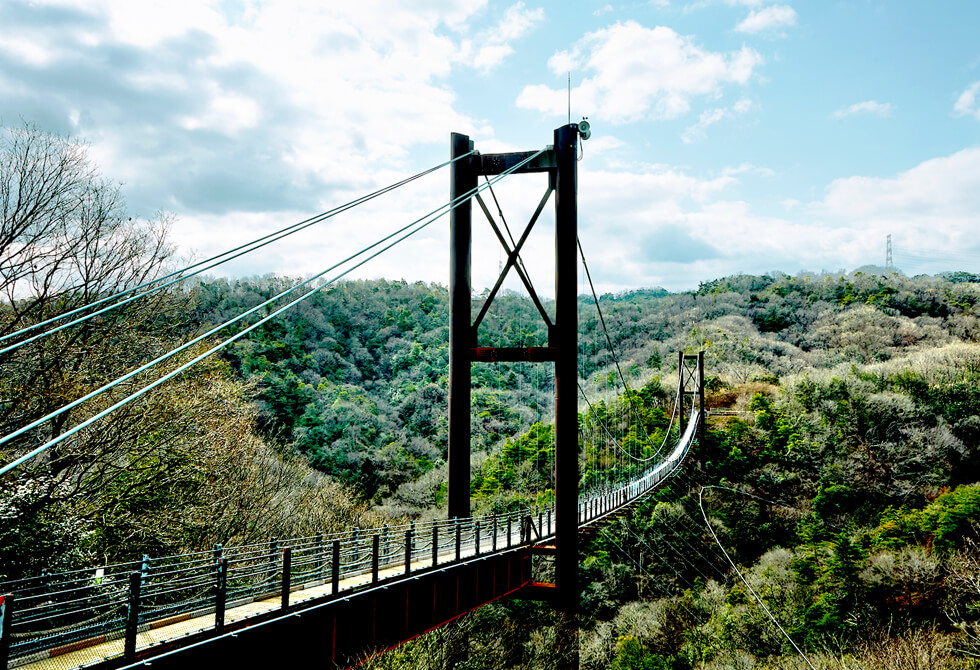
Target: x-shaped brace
513,255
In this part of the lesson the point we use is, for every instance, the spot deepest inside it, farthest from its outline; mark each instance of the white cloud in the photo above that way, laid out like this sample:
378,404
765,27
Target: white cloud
748,168
701,4
931,208
516,22
941,189
638,73
873,107
707,118
177,98
490,56
966,104
232,113
603,144
768,19
711,116
563,61
702,231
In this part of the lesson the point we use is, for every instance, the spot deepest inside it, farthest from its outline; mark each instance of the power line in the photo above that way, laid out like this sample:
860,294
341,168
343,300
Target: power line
206,264
432,216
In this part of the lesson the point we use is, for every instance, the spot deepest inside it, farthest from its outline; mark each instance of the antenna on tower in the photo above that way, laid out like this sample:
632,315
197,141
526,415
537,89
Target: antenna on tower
889,263
569,97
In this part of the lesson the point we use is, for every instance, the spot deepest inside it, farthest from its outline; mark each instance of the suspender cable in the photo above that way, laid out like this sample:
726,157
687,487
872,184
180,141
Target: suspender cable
207,264
602,320
623,449
416,226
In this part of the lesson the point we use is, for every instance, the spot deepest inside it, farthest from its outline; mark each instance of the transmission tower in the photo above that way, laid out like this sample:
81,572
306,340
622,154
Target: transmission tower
889,263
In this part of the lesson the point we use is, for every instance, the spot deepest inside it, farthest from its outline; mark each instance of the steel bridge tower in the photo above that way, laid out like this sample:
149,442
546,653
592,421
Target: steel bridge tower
559,162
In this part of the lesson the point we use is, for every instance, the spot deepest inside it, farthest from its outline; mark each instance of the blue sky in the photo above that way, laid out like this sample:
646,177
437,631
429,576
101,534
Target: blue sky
729,135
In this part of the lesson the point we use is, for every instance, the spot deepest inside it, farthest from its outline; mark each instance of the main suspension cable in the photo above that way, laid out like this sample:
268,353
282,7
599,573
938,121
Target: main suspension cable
206,264
418,225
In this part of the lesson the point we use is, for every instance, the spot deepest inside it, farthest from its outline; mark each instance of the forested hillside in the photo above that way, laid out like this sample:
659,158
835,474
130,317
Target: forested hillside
846,458
843,450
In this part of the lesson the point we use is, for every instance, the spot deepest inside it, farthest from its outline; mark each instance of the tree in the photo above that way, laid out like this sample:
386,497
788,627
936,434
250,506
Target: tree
180,468
65,236
66,241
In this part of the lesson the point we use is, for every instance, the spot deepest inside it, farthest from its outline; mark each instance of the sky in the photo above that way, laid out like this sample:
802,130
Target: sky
729,136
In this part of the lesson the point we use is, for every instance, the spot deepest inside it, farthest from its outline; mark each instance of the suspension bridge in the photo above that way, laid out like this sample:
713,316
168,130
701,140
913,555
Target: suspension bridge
337,597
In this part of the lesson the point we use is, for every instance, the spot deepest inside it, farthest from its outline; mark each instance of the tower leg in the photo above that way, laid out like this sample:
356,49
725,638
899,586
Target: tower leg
462,180
565,338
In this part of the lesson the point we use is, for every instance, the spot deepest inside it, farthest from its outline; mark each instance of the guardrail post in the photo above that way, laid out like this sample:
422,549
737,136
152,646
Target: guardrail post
493,542
216,555
435,544
510,529
540,523
221,596
387,544
335,567
549,521
408,552
459,540
144,569
6,620
273,560
132,615
476,537
375,556
354,537
318,552
287,571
